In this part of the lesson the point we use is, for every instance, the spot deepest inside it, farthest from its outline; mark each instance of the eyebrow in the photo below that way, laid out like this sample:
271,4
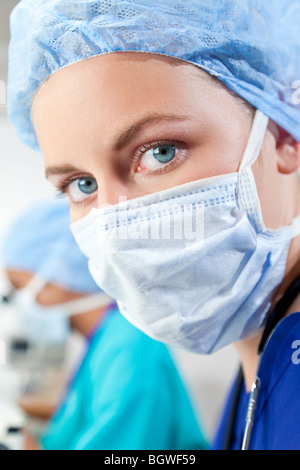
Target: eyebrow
60,170
122,140
132,132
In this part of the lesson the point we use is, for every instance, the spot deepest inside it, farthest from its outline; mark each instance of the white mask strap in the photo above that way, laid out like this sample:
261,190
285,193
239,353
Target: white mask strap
85,304
35,285
73,307
296,227
254,144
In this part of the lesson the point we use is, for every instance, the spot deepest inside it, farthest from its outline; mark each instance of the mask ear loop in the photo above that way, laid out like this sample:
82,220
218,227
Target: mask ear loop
35,285
255,141
71,307
247,192
85,304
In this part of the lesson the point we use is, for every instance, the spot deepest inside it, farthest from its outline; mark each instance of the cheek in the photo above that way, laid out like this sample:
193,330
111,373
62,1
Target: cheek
79,211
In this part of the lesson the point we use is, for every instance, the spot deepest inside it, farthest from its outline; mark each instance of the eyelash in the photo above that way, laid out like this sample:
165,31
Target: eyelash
63,186
159,171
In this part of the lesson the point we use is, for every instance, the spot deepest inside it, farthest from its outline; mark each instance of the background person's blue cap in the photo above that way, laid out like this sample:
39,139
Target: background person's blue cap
40,241
252,46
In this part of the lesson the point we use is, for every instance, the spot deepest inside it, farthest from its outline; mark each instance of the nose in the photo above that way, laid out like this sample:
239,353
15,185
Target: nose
112,190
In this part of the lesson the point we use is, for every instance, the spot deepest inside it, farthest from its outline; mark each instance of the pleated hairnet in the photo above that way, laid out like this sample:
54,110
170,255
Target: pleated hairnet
252,46
40,241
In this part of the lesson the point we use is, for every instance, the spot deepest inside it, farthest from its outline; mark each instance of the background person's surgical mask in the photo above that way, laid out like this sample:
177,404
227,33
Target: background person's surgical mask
199,295
50,325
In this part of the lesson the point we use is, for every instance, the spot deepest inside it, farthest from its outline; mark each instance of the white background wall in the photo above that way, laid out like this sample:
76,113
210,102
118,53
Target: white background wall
22,182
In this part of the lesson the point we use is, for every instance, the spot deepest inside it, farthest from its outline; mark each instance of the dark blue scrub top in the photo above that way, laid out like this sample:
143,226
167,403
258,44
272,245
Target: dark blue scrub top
277,417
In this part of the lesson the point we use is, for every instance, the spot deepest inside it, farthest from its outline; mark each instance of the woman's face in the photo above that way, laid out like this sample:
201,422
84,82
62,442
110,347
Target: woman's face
123,125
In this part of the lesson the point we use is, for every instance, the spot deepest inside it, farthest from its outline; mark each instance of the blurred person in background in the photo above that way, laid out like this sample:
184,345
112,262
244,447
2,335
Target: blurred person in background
126,392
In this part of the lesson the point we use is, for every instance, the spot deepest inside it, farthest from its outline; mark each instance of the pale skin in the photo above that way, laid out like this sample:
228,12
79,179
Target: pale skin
99,120
84,323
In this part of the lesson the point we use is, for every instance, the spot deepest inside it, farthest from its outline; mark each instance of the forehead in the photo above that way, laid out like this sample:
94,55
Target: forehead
96,99
124,79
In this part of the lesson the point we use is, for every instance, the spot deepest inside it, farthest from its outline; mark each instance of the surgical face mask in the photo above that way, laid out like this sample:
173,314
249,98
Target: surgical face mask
193,265
50,325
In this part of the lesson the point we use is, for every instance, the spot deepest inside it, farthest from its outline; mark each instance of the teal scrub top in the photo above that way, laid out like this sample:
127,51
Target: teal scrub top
126,395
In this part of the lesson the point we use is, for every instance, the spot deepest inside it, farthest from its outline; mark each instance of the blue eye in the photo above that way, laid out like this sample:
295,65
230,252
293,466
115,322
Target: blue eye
87,185
82,188
164,153
157,157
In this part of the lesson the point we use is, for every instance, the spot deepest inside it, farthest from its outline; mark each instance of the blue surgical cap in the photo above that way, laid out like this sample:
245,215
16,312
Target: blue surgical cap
40,241
252,46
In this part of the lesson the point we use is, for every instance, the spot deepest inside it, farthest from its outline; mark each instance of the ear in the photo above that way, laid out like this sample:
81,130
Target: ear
288,152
